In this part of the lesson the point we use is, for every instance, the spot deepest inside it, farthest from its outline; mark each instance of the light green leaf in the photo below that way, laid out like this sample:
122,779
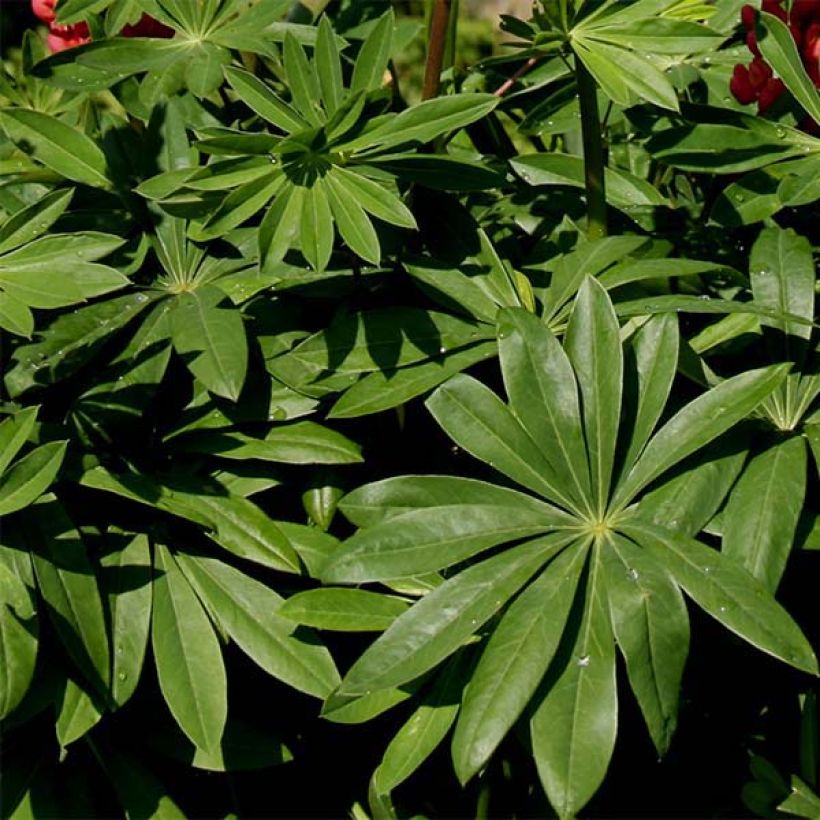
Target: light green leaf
373,55
30,222
425,121
30,477
248,611
514,661
727,592
57,145
434,627
14,431
345,610
15,316
353,223
261,99
303,85
187,656
18,639
126,583
328,66
375,199
316,226
77,714
67,583
760,518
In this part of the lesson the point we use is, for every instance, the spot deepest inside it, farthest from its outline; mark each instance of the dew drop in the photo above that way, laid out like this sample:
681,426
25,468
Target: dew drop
141,298
122,676
632,574
722,609
583,660
704,297
442,349
739,197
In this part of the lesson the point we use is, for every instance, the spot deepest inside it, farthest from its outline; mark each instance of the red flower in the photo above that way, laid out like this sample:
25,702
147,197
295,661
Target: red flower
63,37
756,82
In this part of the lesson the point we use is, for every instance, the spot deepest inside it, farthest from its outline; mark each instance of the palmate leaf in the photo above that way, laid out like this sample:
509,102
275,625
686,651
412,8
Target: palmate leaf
564,436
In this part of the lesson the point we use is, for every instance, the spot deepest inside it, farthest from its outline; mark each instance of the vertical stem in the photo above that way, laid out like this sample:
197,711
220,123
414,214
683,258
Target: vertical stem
592,139
436,43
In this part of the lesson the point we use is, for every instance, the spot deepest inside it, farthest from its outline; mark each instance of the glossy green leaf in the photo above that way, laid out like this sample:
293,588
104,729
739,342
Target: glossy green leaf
621,73
300,442
782,276
316,227
67,583
14,431
57,145
441,621
375,199
302,82
383,390
126,582
431,538
514,661
480,423
234,523
352,221
280,228
698,423
212,340
592,344
654,354
77,714
424,730
18,639
383,501
426,121
30,477
573,728
15,316
543,393
651,626
780,51
187,656
259,98
344,610
623,190
30,222
719,585
761,515
248,611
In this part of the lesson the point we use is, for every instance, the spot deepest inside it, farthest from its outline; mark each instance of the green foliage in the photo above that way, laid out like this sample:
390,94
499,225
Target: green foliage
323,407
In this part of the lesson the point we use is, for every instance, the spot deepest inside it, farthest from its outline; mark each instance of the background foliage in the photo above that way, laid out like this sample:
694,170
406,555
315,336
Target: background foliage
372,452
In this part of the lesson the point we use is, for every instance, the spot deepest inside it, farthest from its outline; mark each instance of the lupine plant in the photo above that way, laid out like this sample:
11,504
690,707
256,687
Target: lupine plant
392,442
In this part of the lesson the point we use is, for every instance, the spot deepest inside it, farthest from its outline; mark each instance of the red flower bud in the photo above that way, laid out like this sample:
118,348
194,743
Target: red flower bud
741,86
748,17
759,73
769,94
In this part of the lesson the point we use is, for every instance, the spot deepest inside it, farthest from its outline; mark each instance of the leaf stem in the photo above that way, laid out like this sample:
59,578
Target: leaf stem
593,152
436,44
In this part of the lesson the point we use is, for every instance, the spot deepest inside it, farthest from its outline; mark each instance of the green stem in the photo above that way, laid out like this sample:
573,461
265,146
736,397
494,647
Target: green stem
436,44
593,152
